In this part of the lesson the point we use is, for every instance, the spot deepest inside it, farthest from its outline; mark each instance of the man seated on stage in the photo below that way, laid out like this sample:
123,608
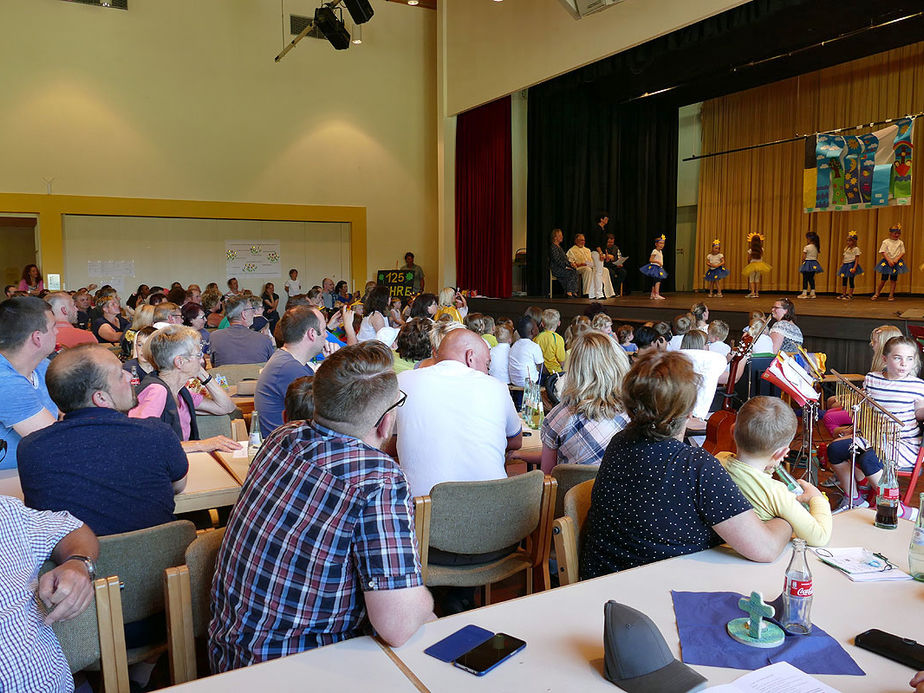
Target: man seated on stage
31,658
324,494
612,258
580,257
237,343
115,473
302,331
65,311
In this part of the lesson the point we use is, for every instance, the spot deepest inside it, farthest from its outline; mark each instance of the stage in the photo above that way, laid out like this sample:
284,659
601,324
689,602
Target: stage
840,329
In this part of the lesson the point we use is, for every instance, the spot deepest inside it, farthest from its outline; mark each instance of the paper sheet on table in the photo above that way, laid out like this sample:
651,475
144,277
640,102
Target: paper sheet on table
781,676
860,564
242,452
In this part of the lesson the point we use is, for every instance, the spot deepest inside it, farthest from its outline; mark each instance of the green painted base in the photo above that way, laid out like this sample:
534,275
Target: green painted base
771,635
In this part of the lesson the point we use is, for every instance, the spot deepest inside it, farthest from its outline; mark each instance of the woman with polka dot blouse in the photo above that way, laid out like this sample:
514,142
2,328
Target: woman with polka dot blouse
656,497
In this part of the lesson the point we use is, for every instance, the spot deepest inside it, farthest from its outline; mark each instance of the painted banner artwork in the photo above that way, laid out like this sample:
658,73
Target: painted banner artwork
859,171
252,259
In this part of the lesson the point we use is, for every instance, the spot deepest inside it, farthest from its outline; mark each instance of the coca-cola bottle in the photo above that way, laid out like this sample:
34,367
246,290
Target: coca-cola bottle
887,498
797,593
136,381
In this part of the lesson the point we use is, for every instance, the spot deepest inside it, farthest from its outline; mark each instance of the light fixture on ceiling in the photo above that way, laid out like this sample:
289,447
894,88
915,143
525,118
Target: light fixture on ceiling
332,27
412,2
357,34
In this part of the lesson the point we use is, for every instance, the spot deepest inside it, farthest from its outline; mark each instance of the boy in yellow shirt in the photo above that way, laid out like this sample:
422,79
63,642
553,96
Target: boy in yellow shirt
551,343
763,431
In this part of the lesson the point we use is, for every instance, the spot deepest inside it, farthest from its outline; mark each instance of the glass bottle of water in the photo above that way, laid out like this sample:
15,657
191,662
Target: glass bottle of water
256,439
916,548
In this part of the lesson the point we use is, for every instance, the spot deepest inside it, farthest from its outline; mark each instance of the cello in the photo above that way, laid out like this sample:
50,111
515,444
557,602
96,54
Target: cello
719,434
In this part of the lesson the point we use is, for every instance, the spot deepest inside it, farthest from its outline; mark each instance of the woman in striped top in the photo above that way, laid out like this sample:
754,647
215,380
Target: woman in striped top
901,392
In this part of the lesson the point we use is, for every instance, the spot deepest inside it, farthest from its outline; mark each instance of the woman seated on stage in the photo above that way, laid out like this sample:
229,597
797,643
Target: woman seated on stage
656,497
176,352
561,267
579,428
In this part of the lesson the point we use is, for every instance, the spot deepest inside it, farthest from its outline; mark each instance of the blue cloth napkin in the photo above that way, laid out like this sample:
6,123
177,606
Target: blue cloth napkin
701,619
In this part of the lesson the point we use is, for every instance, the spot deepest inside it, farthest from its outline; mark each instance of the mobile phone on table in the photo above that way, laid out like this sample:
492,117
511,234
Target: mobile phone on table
484,657
902,650
457,644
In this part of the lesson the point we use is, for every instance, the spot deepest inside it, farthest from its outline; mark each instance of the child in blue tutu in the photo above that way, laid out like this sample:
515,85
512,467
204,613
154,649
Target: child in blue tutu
893,261
810,267
654,270
716,272
850,269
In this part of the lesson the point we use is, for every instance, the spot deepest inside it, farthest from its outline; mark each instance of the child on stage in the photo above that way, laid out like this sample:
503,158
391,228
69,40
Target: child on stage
655,268
716,272
756,266
892,263
810,266
850,269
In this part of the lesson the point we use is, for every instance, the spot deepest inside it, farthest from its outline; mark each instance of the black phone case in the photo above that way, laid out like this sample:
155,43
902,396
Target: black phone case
902,650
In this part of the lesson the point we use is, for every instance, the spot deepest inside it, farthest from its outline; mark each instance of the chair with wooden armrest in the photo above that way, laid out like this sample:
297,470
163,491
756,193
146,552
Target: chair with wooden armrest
567,531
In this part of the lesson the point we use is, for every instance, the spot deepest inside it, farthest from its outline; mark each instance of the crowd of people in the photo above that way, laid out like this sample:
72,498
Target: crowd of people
366,402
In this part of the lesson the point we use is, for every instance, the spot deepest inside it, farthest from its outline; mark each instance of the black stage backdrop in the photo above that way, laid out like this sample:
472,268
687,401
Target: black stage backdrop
588,155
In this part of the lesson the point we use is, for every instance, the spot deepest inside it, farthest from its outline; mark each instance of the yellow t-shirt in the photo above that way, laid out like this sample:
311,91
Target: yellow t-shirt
490,339
771,498
451,311
553,350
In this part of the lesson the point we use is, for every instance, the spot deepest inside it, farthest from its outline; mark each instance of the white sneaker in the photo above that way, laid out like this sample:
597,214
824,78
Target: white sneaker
804,294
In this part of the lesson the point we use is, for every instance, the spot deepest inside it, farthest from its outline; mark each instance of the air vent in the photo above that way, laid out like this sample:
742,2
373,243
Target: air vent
297,24
117,4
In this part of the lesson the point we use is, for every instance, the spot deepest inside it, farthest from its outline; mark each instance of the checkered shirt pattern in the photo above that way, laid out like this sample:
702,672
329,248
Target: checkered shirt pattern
30,656
321,518
578,439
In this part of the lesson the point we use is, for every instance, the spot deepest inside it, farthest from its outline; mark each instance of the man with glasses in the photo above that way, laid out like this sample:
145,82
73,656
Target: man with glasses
323,533
238,343
115,473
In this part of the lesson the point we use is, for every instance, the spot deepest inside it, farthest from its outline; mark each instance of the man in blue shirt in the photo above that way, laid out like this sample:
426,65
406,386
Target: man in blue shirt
302,331
27,336
115,473
237,343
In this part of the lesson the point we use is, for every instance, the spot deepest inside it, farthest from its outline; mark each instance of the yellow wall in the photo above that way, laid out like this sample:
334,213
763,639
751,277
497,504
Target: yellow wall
182,100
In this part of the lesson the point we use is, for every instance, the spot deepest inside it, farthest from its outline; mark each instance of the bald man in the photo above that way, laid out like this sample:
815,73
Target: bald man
458,422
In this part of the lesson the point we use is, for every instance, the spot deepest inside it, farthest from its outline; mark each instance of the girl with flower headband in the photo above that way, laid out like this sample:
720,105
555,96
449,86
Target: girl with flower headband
756,266
655,268
892,263
716,270
850,269
810,267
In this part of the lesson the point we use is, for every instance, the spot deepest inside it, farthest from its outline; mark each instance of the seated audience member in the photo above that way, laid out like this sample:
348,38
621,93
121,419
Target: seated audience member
763,431
300,400
342,295
315,297
663,329
302,332
700,316
602,322
579,325
709,366
139,365
329,293
717,334
679,327
109,328
177,295
143,317
324,484
27,336
550,342
155,298
9,291
31,658
212,305
233,289
177,355
125,484
438,330
96,311
500,355
168,312
456,389
138,297
341,327
526,360
194,317
425,306
65,311
375,308
270,300
448,299
238,343
763,345
625,334
647,339
476,323
413,344
590,413
82,300
489,326
260,323
656,497
193,294
535,313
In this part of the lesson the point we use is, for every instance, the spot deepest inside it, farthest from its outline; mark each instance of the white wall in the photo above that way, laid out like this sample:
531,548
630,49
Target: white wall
192,251
182,100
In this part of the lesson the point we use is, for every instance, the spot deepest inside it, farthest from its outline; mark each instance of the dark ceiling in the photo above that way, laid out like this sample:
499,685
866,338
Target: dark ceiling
783,37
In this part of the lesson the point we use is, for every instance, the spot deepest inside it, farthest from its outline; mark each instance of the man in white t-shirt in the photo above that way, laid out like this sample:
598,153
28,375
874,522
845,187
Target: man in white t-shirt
457,422
293,285
526,359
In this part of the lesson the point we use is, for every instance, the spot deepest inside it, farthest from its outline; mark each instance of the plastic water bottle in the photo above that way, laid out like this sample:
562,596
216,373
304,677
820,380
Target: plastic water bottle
256,440
790,482
887,498
916,548
797,593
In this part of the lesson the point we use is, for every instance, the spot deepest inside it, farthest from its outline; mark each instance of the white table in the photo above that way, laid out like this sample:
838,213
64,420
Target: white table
208,485
563,627
352,665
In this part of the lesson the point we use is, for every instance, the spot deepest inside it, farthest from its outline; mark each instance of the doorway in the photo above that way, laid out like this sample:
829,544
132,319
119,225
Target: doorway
17,246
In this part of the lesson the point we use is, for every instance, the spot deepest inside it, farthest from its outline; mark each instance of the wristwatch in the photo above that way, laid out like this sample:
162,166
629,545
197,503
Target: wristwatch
87,561
206,381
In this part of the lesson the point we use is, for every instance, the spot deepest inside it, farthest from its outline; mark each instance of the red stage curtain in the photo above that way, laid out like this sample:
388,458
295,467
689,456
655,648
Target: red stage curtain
484,230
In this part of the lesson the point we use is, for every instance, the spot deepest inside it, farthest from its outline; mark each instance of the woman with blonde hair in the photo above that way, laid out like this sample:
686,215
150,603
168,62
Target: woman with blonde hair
590,413
453,304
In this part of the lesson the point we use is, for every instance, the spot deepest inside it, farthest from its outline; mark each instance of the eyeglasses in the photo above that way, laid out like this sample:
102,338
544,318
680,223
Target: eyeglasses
399,403
196,354
778,308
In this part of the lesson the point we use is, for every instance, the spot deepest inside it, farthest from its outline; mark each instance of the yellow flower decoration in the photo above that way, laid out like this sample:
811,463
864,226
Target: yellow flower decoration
757,234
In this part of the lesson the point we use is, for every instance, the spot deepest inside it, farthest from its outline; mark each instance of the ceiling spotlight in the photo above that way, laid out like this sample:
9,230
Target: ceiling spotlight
358,34
332,28
412,2
360,10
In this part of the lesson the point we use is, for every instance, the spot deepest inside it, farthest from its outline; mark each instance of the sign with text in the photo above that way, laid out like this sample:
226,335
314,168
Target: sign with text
400,282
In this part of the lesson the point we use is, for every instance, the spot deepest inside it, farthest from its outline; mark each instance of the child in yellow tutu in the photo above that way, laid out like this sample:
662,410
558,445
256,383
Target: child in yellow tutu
756,266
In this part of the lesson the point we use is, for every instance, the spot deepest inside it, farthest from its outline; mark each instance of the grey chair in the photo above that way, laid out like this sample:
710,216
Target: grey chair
568,531
568,476
476,517
188,591
236,372
221,425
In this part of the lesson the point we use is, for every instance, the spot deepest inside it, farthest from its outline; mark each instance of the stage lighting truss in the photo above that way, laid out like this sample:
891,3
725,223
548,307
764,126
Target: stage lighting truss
328,24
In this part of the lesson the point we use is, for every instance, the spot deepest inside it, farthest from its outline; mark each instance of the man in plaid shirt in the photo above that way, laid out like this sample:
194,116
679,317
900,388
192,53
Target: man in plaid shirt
323,533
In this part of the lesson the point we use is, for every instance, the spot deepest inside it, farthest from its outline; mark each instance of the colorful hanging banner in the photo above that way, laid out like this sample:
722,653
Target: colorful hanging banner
860,172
